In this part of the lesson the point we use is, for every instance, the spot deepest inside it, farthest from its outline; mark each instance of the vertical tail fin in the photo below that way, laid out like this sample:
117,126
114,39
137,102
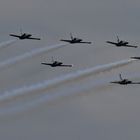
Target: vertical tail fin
118,40
21,31
52,59
120,77
71,36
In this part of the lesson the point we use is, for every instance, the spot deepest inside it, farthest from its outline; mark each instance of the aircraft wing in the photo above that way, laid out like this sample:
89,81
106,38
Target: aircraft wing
34,38
43,63
135,83
131,46
86,42
111,42
66,65
115,82
14,35
66,40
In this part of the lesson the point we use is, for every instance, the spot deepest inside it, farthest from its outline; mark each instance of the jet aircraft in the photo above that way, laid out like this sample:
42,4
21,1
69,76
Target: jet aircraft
138,58
121,43
124,81
74,40
56,64
24,36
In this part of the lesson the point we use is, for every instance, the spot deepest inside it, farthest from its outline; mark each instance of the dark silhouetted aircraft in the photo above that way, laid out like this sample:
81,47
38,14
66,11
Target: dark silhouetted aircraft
56,64
138,58
24,36
124,81
121,43
75,40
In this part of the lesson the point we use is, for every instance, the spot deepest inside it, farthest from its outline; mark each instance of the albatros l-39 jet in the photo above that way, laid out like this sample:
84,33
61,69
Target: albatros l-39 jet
137,58
124,81
121,43
24,36
56,64
74,40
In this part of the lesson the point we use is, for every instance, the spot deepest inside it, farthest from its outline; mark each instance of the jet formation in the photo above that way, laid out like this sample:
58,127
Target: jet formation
74,40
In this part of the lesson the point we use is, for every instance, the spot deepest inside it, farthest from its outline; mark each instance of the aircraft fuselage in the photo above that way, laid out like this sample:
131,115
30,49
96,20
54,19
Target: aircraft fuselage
125,82
122,43
55,63
75,40
25,36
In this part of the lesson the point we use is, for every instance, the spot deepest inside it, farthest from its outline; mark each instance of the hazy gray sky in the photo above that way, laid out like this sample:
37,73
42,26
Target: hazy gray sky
107,17
107,112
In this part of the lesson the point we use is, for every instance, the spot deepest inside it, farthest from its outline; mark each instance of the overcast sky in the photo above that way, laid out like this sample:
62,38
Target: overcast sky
78,16
105,112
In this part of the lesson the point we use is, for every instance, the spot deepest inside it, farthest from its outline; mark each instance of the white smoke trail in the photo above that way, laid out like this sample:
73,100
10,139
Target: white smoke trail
7,43
29,55
63,79
27,106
